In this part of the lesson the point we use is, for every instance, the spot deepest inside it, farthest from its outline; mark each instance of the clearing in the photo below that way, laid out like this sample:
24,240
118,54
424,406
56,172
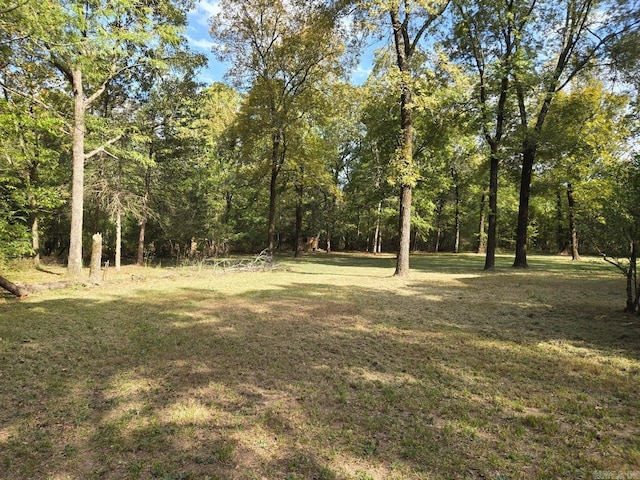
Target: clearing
324,368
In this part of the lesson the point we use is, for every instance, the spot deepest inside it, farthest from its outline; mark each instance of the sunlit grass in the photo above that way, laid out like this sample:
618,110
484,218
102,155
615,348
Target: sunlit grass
328,368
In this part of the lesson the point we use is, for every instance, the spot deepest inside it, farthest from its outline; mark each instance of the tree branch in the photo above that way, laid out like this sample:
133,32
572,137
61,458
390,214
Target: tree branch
103,86
432,18
615,263
102,148
37,101
15,7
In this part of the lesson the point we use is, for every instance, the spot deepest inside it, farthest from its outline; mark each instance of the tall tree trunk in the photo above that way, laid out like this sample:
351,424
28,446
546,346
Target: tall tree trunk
144,217
402,260
331,209
439,210
143,229
74,263
561,244
494,163
119,196
376,235
277,158
118,237
528,158
634,265
456,245
35,237
271,231
631,279
33,213
436,243
575,254
298,235
330,202
404,53
482,236
405,47
406,191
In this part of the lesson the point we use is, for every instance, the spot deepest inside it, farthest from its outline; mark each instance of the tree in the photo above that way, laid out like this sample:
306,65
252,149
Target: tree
583,135
31,167
281,51
90,44
621,234
166,106
578,34
485,40
342,133
408,21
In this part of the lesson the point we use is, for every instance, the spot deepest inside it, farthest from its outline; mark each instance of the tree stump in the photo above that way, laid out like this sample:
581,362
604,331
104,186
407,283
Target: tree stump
96,258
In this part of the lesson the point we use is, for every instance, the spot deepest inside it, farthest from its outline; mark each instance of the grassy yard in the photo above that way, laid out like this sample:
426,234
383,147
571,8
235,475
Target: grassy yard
325,368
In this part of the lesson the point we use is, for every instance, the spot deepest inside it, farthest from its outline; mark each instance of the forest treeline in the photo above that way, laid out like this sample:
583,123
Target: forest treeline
483,126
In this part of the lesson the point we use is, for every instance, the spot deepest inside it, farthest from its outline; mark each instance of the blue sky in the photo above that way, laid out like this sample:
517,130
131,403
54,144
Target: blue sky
201,42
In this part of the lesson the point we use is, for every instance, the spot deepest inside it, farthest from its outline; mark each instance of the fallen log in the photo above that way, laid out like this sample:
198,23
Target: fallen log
17,290
39,287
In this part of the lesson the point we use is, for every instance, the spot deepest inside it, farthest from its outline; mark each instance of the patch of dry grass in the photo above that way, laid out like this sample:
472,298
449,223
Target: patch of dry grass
328,369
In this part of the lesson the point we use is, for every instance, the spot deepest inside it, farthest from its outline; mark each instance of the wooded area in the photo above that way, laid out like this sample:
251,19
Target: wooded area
492,125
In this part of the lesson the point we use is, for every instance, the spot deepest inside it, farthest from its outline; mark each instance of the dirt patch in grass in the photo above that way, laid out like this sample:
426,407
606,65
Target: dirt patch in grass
330,369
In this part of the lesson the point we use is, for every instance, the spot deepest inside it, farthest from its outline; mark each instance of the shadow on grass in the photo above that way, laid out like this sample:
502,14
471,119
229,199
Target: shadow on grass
310,380
456,263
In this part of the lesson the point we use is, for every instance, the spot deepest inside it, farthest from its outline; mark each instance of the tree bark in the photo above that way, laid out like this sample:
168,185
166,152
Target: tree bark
33,214
575,254
74,263
406,153
631,280
271,230
482,236
13,288
402,260
96,258
561,244
528,158
144,217
141,235
118,259
456,245
35,238
436,242
277,158
376,234
298,235
494,164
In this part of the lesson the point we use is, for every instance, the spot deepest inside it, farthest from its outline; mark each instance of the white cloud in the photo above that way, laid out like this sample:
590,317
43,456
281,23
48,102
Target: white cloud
211,7
360,74
203,44
204,10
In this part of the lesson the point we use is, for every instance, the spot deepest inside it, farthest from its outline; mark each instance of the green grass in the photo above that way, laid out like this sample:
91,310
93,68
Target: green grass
326,368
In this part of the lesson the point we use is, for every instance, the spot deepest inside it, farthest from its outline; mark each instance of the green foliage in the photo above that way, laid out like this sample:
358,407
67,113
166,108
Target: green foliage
618,222
31,167
195,163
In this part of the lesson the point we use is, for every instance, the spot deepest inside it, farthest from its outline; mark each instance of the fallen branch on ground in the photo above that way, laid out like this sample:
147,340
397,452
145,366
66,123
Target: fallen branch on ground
17,290
22,290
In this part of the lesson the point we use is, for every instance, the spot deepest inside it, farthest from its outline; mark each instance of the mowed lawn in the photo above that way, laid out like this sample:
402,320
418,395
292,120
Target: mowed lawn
326,368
